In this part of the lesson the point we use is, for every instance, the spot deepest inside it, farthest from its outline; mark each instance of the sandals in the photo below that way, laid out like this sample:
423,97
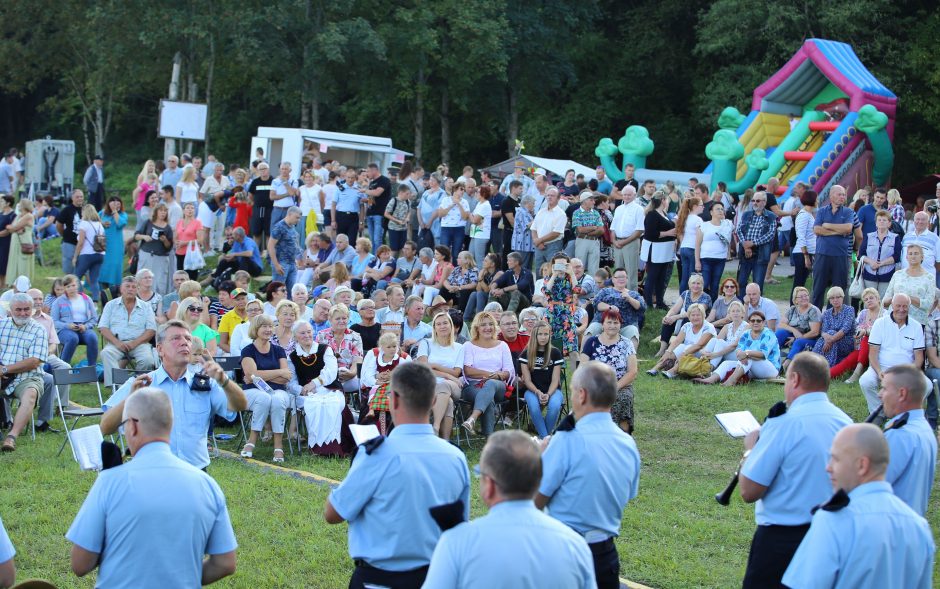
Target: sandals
9,444
468,426
652,372
248,451
278,455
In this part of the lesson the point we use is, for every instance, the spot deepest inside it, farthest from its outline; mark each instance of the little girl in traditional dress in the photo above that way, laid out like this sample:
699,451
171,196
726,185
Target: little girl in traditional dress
377,370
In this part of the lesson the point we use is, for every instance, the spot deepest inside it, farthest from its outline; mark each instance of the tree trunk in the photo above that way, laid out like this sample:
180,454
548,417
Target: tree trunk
314,105
169,145
88,153
209,77
419,115
305,74
193,94
99,128
512,123
445,125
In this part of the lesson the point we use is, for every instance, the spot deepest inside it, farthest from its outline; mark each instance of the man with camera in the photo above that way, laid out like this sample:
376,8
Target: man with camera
196,397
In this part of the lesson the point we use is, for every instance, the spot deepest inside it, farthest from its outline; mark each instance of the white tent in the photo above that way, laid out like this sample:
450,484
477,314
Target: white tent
556,167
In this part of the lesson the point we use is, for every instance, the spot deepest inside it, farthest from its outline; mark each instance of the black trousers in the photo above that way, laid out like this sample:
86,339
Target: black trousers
365,574
829,271
657,276
239,263
606,564
347,223
772,549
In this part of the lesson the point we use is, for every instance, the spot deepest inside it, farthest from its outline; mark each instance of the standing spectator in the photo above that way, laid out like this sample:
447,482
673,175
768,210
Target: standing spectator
213,192
20,263
311,203
521,233
867,215
756,232
88,256
8,172
916,282
173,173
156,238
658,250
805,247
74,316
428,219
561,303
879,253
24,348
186,234
453,213
66,224
397,213
345,209
187,190
896,206
604,185
127,326
833,226
587,224
712,240
511,202
481,225
380,194
7,214
259,193
113,219
284,193
627,227
94,181
548,230
687,225
283,249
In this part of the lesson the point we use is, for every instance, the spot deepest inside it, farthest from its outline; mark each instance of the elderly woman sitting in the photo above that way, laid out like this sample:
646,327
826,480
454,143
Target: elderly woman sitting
268,362
692,339
757,356
799,326
837,337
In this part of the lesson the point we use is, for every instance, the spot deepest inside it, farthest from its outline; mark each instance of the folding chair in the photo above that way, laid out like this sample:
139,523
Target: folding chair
9,399
121,375
74,376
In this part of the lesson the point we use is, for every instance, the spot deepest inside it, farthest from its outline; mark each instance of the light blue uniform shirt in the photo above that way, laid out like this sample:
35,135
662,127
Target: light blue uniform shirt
192,412
876,541
590,473
913,460
387,494
348,199
152,520
521,547
428,205
790,460
6,547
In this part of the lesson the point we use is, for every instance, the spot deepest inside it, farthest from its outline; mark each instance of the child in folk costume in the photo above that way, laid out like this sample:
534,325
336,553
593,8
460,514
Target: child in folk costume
376,374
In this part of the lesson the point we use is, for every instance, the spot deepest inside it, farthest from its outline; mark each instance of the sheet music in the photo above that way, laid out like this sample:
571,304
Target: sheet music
87,444
737,424
363,433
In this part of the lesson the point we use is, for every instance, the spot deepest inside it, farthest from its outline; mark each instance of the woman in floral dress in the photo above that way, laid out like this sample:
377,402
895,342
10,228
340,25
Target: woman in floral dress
561,302
618,352
837,334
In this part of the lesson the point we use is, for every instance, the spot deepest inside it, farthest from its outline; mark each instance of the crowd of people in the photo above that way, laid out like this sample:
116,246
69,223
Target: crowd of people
423,303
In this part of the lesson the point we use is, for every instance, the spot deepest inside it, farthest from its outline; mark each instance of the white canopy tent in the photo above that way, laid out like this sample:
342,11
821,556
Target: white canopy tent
555,167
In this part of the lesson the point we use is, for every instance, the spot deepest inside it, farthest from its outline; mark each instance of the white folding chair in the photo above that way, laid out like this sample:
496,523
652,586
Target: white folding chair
75,376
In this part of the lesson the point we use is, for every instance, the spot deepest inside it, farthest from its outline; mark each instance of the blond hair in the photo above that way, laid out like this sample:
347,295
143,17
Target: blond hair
258,322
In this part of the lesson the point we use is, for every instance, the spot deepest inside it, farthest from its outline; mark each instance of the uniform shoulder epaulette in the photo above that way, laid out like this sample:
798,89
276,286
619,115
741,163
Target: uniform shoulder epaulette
835,503
448,515
567,424
777,409
371,445
898,422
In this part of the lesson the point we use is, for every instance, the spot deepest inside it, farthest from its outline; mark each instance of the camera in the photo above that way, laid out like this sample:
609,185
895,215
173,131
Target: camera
560,267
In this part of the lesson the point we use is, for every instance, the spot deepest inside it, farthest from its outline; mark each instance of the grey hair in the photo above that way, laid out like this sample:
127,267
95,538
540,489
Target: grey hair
142,273
293,210
239,232
409,303
426,252
152,407
298,324
551,189
161,332
527,199
22,297
298,287
493,307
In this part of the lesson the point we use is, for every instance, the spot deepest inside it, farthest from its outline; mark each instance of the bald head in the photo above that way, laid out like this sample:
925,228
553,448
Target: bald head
628,193
859,455
150,407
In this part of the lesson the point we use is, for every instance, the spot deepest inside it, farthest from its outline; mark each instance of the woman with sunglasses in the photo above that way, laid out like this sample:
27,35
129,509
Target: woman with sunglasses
718,316
190,313
274,293
757,356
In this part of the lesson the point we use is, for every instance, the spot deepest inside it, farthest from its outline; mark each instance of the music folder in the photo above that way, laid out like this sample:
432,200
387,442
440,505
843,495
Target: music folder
737,424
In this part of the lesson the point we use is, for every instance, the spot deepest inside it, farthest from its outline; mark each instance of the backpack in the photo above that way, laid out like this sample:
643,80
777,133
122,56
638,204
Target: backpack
897,229
99,242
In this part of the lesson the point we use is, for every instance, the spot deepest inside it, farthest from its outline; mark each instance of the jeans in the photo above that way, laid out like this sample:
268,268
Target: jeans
712,269
289,275
799,343
553,410
478,248
68,250
90,263
687,257
483,399
72,339
931,412
545,255
277,214
452,237
376,231
754,267
475,304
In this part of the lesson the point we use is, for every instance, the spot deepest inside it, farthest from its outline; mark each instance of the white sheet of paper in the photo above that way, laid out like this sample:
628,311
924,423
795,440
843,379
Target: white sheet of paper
363,433
87,444
737,424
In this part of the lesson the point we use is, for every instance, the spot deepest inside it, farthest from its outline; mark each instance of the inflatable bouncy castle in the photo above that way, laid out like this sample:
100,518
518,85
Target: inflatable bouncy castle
822,119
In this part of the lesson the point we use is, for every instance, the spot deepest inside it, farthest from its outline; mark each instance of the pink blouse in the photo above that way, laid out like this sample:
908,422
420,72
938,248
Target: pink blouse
187,233
492,359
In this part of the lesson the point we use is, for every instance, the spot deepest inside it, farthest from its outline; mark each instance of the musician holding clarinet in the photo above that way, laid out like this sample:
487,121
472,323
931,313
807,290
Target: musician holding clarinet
784,469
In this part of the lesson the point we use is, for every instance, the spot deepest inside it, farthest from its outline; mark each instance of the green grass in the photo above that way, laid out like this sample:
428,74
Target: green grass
674,534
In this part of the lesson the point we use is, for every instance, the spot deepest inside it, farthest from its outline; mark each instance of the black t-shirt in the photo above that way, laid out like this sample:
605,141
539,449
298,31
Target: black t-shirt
496,204
525,282
509,208
568,190
269,361
541,372
70,216
632,182
261,192
381,201
369,334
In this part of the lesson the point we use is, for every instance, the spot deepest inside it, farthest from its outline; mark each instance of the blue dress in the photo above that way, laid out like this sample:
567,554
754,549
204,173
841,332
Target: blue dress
831,324
113,267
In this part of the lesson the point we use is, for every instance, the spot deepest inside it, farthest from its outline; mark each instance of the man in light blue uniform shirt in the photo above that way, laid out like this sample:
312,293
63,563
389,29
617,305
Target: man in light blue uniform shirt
393,483
345,208
912,442
428,206
865,536
592,469
194,408
150,522
784,469
7,552
519,546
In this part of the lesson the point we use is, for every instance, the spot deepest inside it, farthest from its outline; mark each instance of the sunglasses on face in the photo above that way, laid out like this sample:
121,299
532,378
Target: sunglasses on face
193,309
757,320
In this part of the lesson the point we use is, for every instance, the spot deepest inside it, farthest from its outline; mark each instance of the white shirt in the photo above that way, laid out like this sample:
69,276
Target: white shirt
804,233
329,195
188,192
371,363
786,223
485,210
280,186
712,246
692,338
897,343
310,201
450,356
453,218
767,307
548,221
692,223
323,173
91,228
628,218
239,339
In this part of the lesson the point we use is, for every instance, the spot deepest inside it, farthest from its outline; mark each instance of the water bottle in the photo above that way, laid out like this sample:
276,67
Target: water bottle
259,383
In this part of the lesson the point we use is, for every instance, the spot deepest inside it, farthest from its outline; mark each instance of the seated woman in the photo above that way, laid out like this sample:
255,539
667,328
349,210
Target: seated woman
339,277
462,281
268,362
382,267
347,347
75,317
616,351
757,356
541,366
858,358
723,346
274,293
319,394
487,370
190,313
377,367
285,316
680,311
837,335
430,288
799,326
240,337
692,339
479,296
444,356
718,316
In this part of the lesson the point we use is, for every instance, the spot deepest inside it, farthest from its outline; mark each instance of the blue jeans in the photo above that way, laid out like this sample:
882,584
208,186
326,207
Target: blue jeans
931,412
71,340
799,343
68,250
552,411
478,248
376,231
545,255
475,304
687,257
712,269
277,214
452,237
288,277
754,267
90,263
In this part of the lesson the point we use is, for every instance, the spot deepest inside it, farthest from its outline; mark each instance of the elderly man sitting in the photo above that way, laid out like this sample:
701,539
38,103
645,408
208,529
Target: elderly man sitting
128,325
53,363
23,350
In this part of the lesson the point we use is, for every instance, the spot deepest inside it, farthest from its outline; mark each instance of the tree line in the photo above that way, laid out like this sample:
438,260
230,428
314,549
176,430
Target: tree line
451,81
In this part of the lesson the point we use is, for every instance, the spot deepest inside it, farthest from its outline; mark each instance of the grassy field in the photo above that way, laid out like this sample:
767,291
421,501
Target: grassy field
674,534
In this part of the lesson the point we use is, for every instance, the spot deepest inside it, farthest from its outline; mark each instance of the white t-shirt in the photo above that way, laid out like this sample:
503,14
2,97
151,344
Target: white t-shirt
485,210
692,338
310,201
452,218
692,222
188,192
712,246
896,344
329,195
451,356
174,213
91,228
786,223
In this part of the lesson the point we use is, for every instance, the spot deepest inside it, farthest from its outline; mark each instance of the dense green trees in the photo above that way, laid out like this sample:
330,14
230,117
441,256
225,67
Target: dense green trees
449,80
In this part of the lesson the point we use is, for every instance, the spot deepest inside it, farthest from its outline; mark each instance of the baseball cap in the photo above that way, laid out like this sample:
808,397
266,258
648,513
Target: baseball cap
238,292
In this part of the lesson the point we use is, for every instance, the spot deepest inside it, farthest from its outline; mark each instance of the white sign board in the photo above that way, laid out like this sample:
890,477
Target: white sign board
183,120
